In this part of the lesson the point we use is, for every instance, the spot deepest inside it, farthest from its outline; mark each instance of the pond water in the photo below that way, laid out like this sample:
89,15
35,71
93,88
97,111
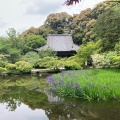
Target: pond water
22,98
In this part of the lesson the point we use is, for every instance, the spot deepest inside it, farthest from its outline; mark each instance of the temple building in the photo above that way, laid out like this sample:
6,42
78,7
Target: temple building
61,43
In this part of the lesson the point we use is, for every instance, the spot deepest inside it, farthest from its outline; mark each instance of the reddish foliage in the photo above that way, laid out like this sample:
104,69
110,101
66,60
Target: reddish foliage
71,2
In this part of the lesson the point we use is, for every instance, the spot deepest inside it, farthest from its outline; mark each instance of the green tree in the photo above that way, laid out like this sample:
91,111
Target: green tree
11,46
85,52
33,41
4,45
14,38
107,28
14,55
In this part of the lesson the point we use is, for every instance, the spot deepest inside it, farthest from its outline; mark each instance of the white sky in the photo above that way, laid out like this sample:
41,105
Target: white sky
22,14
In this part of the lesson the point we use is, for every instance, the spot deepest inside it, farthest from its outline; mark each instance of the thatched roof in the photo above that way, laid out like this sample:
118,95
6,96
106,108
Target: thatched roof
59,42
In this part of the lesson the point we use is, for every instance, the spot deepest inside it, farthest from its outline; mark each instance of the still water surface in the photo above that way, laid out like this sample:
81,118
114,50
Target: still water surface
26,101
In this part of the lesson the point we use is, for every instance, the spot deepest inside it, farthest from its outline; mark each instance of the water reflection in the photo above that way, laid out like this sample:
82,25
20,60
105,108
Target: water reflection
21,103
22,113
52,98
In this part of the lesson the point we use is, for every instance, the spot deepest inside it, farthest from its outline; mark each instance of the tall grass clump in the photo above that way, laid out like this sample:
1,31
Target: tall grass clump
97,84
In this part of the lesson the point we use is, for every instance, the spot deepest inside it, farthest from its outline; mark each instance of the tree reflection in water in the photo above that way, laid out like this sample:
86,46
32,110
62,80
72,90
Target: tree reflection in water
56,108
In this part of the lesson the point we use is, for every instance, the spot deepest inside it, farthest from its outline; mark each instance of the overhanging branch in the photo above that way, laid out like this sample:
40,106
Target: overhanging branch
71,2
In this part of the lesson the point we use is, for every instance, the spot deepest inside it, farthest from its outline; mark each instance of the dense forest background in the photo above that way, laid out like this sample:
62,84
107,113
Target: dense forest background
96,30
101,22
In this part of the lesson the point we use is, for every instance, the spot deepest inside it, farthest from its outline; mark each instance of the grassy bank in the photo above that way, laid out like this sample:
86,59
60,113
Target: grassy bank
97,84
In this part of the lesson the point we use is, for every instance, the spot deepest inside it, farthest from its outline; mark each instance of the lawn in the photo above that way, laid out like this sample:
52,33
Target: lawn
92,84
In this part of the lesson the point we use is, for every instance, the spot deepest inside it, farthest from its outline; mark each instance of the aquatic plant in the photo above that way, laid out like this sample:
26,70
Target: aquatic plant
98,84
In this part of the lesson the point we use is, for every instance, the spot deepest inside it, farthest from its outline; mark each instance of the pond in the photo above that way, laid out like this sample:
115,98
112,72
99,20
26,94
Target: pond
25,98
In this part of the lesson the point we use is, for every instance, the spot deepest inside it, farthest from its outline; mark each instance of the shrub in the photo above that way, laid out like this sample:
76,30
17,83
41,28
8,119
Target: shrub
48,52
48,62
105,60
31,57
3,60
23,66
116,60
2,64
72,65
97,59
117,48
11,68
2,69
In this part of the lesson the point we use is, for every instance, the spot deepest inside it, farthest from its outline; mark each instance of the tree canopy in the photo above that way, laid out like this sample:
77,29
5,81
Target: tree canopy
107,28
